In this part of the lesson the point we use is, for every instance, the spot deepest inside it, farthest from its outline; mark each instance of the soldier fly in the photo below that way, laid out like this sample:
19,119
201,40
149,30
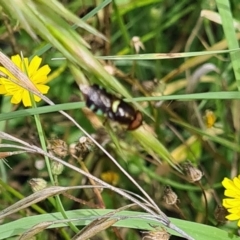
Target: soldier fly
116,109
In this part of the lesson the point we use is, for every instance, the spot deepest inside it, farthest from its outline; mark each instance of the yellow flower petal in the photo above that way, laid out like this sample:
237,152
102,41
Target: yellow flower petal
34,65
228,184
236,182
9,75
37,99
231,193
17,97
229,203
4,70
2,90
17,60
41,74
26,99
11,87
232,204
225,203
232,217
43,88
234,210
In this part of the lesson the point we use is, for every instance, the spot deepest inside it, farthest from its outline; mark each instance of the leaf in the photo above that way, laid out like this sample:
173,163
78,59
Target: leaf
135,220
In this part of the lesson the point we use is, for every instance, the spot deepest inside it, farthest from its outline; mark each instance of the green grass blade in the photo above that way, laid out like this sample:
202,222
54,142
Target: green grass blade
229,31
136,221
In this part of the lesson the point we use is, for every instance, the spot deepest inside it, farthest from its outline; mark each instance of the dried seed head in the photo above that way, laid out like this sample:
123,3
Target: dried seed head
82,140
58,147
72,149
220,214
82,148
169,196
193,174
57,168
152,85
85,144
156,234
37,184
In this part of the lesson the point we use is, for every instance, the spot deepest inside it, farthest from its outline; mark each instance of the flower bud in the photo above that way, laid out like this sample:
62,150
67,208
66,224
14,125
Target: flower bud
57,167
193,174
220,214
156,234
169,196
58,147
72,149
83,147
37,184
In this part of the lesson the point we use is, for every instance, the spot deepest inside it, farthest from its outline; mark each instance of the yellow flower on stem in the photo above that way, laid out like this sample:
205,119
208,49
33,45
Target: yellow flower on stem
37,75
232,204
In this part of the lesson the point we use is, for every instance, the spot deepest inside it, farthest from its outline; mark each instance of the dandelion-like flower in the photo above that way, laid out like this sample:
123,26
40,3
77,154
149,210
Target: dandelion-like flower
37,75
232,204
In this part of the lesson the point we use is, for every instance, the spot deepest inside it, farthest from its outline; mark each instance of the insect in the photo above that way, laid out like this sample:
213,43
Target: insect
98,99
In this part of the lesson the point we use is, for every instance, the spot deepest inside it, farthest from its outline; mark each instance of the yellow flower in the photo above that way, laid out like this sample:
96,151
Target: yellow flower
37,75
110,177
232,204
210,118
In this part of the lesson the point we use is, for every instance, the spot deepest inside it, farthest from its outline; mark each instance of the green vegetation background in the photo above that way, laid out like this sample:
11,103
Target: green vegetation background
80,40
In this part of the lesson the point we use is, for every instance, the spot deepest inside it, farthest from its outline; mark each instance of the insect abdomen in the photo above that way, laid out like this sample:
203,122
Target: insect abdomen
112,106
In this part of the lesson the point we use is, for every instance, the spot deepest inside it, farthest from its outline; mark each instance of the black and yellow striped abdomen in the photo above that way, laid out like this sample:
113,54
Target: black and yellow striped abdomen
99,100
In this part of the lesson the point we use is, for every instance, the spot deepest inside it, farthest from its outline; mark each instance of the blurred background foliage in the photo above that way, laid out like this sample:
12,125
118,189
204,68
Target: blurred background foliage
204,131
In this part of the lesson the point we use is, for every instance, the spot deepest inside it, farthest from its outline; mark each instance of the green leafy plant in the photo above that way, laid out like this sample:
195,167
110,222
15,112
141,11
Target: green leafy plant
175,62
